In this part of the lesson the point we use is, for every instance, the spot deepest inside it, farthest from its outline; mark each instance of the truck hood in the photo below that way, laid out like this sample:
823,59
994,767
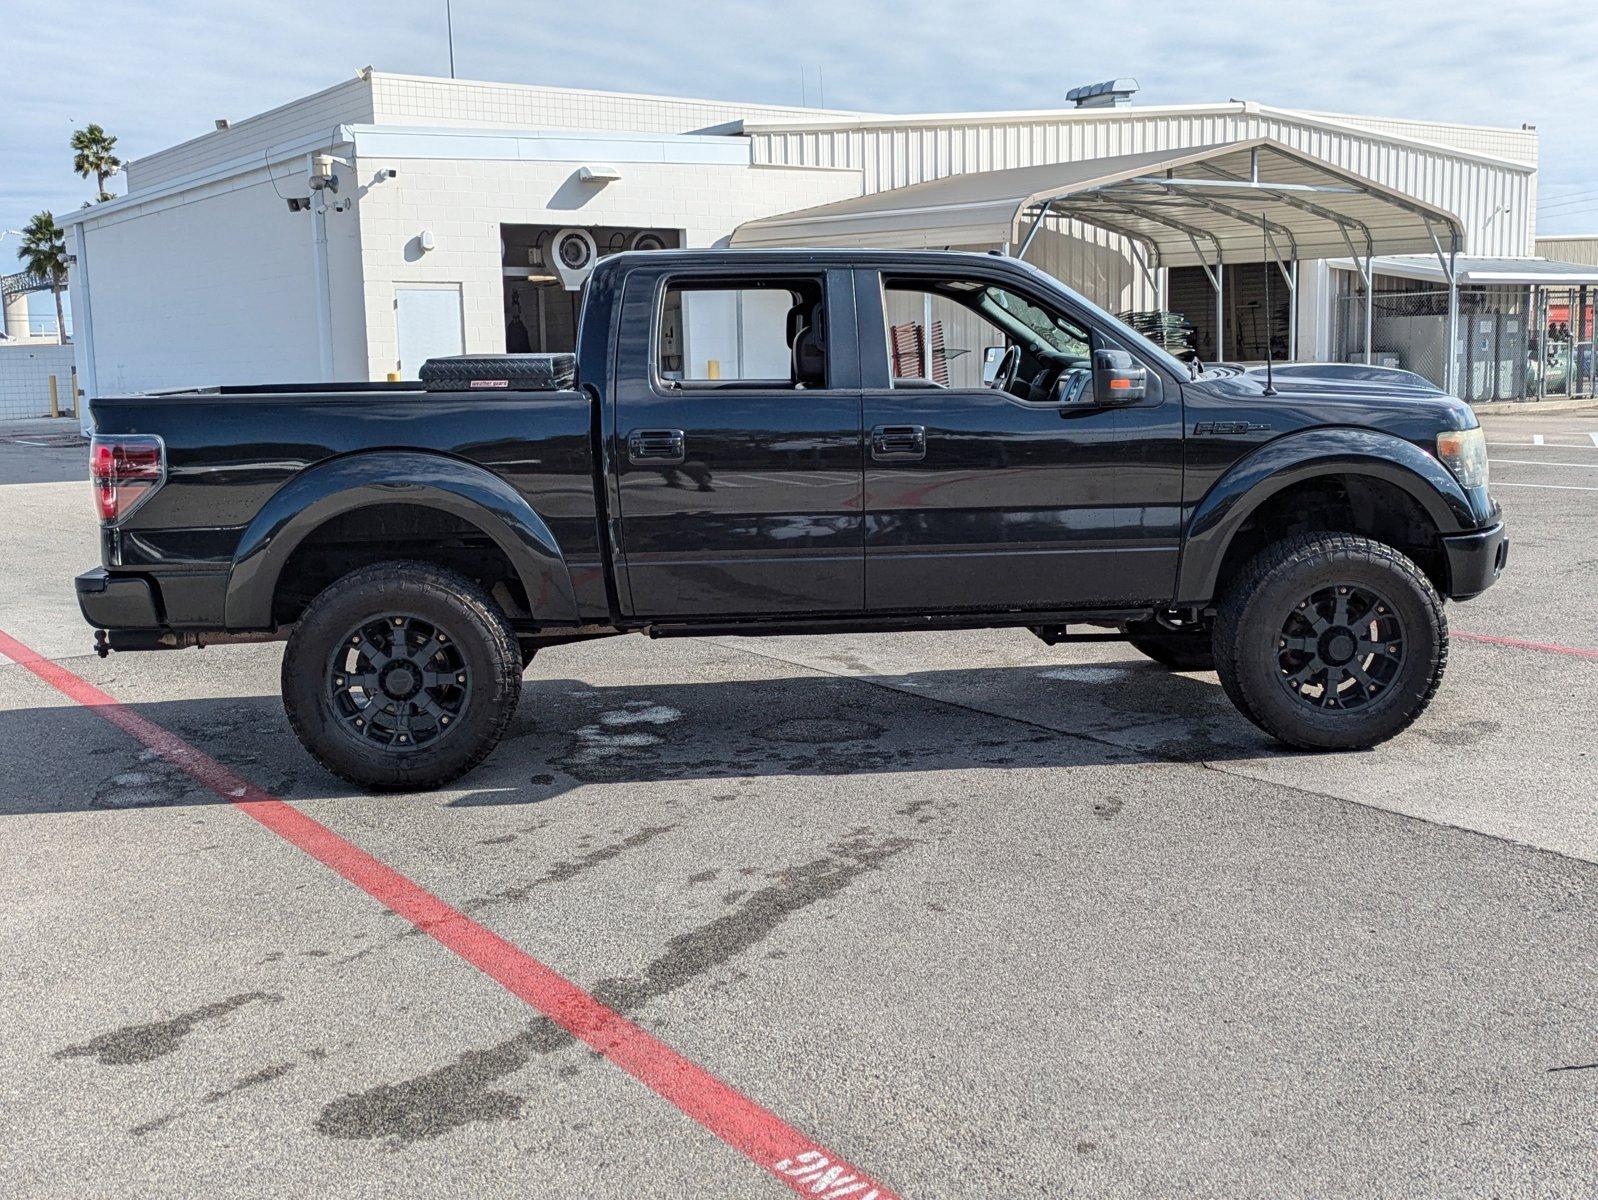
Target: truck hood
1329,377
1308,395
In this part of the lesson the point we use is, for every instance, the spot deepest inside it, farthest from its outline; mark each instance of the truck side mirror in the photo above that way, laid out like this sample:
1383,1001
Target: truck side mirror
992,356
1117,379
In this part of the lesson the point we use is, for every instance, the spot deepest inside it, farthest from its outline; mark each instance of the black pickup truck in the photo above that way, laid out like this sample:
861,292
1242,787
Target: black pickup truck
777,442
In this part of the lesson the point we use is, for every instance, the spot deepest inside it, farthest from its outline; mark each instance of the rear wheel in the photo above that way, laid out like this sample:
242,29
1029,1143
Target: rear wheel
1330,641
1180,650
401,675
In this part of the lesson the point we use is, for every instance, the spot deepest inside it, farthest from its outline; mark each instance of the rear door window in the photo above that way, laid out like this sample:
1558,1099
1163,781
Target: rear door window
756,333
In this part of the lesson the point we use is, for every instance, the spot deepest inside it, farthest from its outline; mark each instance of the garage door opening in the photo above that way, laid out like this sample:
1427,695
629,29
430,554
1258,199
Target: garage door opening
545,268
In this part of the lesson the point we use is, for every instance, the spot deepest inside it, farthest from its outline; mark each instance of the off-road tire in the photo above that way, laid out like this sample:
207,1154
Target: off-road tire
1192,650
482,641
1250,627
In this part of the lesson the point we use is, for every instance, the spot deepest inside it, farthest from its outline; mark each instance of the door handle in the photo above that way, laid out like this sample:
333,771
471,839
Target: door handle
656,446
899,443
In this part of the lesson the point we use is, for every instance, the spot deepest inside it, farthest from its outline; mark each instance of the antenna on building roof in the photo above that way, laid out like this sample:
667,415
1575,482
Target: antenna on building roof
449,26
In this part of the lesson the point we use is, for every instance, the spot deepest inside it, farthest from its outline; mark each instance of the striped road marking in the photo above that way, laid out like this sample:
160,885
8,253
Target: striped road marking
759,1134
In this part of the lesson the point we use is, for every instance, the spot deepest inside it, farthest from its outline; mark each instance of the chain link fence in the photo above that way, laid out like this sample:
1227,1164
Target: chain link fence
1511,343
1562,343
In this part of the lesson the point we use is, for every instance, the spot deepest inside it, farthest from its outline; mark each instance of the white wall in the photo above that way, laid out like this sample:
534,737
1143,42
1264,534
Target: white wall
215,286
344,103
423,100
464,203
25,372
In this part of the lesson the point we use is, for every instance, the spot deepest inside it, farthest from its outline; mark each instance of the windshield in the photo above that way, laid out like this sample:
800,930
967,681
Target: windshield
1054,331
1129,338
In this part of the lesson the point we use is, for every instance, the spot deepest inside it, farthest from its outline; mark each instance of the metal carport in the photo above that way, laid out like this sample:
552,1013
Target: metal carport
1252,200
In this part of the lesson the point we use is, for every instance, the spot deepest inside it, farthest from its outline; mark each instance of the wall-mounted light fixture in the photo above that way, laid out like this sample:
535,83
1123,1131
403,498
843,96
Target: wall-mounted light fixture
598,174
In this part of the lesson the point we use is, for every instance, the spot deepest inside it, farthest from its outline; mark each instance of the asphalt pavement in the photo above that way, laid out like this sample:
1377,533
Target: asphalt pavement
980,917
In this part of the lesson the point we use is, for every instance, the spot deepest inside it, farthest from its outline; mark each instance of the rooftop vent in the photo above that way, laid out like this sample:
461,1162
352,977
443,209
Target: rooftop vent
1112,93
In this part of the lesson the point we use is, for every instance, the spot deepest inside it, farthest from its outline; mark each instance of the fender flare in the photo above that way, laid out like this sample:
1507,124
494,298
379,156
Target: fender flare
1298,458
337,486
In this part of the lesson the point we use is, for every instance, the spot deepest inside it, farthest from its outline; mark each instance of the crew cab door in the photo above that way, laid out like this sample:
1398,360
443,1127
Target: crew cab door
1018,492
737,444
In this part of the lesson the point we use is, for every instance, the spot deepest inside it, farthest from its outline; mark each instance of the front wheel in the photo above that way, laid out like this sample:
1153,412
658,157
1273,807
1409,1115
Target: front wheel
1331,642
401,675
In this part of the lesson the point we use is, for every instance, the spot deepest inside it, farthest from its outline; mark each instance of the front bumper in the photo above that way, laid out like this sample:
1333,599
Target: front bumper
117,601
1475,561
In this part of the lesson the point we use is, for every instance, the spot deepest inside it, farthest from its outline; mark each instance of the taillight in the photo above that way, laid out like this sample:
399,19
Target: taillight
126,469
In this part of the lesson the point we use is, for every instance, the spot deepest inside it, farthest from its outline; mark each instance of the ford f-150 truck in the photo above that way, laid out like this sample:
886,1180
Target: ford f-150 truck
781,442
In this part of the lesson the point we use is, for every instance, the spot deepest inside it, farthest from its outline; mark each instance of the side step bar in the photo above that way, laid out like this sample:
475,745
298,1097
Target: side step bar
1050,626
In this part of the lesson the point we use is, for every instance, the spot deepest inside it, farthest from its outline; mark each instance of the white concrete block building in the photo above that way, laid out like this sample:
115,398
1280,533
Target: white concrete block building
355,232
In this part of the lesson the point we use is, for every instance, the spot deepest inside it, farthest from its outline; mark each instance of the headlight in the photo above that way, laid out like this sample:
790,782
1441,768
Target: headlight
1464,452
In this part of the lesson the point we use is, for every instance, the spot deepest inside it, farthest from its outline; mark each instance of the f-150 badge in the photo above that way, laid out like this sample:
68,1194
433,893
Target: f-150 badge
1224,428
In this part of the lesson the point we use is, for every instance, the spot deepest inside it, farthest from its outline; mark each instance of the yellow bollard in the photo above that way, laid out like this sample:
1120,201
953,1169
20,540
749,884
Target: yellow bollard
55,403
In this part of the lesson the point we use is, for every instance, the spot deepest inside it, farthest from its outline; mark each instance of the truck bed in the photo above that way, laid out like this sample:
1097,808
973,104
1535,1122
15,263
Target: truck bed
230,449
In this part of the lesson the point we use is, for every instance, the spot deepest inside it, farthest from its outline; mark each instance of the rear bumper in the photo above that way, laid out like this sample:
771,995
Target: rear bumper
1475,561
117,601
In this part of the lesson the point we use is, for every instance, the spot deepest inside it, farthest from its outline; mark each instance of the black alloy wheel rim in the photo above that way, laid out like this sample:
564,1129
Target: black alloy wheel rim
1340,649
397,682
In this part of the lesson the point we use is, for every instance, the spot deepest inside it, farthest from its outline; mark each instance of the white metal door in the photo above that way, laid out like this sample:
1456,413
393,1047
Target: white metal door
429,325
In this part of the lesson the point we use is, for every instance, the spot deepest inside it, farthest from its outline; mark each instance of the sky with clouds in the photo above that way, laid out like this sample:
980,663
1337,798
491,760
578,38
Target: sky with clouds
155,72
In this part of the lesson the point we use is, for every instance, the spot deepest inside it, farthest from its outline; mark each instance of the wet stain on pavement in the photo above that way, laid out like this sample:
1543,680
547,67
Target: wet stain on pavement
145,1043
465,1091
150,786
254,1079
1460,734
561,872
820,731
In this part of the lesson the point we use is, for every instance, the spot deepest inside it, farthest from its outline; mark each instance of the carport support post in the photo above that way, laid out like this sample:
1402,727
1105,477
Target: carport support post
1037,224
1292,313
1220,308
1452,350
1370,304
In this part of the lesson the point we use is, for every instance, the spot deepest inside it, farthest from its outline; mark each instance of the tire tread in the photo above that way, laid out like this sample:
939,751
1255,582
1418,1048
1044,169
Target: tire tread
1303,550
457,590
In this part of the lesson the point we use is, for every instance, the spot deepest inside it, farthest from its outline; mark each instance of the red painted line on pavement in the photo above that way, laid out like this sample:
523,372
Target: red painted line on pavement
765,1138
1520,644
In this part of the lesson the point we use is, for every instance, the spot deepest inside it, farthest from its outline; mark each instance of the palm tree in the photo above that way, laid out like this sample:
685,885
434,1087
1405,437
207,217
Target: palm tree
44,252
94,156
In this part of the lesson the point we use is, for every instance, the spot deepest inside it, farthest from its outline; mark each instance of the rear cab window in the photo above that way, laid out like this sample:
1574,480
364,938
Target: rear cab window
755,332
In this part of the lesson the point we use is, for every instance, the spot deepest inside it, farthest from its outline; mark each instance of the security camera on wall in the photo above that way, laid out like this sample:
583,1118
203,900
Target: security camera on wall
571,254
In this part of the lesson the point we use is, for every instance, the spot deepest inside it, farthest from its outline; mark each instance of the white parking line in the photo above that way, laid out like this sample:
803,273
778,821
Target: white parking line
1534,462
1552,487
1594,437
1544,445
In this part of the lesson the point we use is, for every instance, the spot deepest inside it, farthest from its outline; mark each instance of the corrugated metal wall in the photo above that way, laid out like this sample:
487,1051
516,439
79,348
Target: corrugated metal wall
1573,249
1495,203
